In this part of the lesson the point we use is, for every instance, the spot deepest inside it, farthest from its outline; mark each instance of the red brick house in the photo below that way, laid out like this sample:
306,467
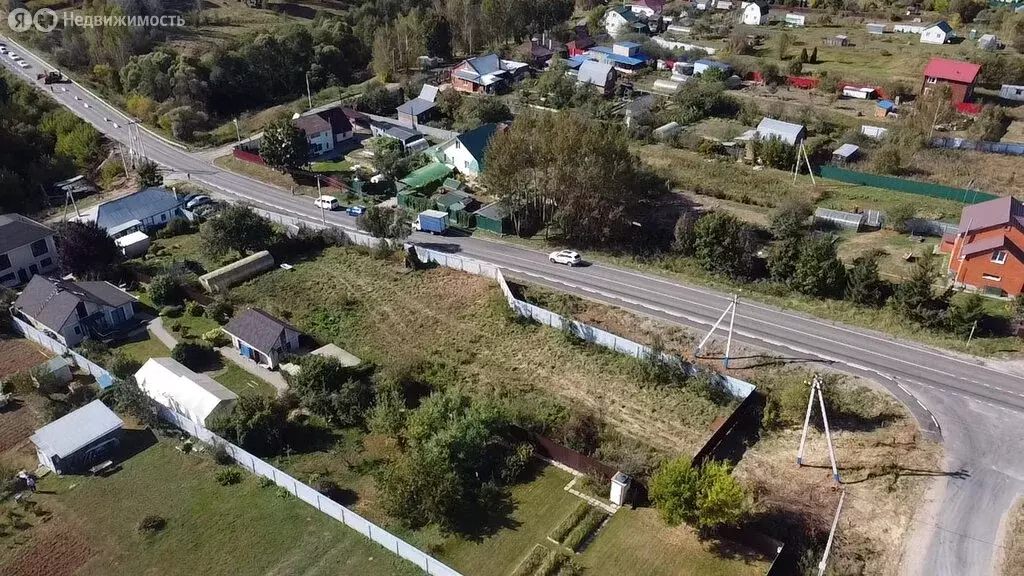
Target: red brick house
987,253
959,76
487,74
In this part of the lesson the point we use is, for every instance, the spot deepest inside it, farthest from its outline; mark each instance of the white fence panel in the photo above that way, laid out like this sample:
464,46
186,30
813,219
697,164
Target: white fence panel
412,555
103,378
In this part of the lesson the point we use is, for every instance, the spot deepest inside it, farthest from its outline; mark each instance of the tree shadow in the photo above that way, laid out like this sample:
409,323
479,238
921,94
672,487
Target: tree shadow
485,516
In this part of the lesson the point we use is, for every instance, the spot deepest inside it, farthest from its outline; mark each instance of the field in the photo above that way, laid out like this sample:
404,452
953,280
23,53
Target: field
236,379
211,529
17,354
387,315
1013,542
892,245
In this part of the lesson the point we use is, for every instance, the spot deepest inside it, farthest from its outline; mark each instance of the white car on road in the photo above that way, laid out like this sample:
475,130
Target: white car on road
567,257
325,202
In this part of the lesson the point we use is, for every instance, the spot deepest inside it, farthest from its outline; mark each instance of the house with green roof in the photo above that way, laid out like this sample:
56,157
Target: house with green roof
466,151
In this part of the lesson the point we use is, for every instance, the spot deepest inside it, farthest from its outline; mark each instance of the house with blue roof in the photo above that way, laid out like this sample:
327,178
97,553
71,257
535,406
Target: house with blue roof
148,208
466,151
624,56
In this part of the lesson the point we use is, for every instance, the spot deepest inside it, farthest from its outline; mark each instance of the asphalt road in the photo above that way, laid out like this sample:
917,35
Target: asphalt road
979,406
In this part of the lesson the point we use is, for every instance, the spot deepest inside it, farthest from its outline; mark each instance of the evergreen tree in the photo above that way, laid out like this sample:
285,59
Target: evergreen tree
819,272
864,285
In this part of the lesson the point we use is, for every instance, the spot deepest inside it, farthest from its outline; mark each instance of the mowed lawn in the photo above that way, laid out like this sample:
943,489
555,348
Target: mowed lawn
211,529
638,542
397,318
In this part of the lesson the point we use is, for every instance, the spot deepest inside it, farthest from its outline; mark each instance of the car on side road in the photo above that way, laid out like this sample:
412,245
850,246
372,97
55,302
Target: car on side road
24,64
197,202
567,257
355,210
325,202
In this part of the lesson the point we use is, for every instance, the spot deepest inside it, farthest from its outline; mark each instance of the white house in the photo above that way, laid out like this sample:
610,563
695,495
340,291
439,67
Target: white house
754,13
261,337
74,311
26,249
466,151
1012,92
647,8
938,33
619,21
194,396
324,129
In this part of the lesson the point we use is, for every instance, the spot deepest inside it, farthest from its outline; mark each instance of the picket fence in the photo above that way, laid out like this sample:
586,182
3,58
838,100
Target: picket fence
389,541
103,378
737,388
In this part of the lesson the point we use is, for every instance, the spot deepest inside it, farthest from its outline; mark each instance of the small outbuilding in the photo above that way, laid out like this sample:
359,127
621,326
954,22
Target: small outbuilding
755,13
939,33
76,441
133,244
238,271
845,153
701,66
796,20
182,391
493,218
837,41
261,337
878,29
59,368
788,132
667,131
1012,92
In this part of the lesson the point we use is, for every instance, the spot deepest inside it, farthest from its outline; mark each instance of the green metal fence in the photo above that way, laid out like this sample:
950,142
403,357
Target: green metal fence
904,185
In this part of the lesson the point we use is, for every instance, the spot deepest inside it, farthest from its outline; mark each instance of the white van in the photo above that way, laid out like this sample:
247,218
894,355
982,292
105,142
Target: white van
327,203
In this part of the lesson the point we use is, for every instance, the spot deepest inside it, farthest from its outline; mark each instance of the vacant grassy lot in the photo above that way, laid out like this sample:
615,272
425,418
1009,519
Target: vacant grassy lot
385,314
211,529
730,180
144,347
234,378
1013,543
893,245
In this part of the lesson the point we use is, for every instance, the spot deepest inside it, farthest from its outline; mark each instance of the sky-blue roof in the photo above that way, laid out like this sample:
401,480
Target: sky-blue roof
628,44
138,206
608,54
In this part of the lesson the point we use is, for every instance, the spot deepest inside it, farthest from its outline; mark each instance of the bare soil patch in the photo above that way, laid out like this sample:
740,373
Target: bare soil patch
16,426
58,549
18,354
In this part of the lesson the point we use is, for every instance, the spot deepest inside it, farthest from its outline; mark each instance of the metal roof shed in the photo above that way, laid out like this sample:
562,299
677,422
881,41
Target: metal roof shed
492,218
78,439
789,133
846,152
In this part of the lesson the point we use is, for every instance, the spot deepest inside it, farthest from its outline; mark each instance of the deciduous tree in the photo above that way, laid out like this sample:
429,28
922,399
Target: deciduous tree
236,227
85,251
284,146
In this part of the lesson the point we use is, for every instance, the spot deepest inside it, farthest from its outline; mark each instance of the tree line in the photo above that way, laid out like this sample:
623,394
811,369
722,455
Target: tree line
42,143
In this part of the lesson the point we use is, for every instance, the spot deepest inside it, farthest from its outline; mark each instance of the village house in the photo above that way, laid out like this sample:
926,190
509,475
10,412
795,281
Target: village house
261,337
466,151
938,33
150,208
987,252
73,311
26,249
624,56
488,74
621,20
755,13
598,74
649,9
420,108
961,78
324,130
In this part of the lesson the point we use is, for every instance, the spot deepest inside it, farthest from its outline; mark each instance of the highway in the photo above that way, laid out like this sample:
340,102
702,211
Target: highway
977,405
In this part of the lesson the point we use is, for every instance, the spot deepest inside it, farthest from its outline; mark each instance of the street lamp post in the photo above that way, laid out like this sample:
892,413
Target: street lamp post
238,134
309,94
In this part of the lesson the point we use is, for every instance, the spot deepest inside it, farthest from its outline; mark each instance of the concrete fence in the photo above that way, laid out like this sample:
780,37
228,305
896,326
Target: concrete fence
315,499
103,378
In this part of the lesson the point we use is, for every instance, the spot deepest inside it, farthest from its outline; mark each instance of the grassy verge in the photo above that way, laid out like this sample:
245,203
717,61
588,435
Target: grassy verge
236,379
210,529
585,528
144,349
1013,542
336,166
569,522
263,174
532,561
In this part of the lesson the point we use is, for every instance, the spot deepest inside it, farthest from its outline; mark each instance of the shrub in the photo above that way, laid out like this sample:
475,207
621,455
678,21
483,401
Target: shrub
165,290
703,497
151,524
265,482
795,68
109,172
899,215
517,462
530,564
122,366
193,308
219,311
220,454
217,338
569,522
229,476
176,227
193,355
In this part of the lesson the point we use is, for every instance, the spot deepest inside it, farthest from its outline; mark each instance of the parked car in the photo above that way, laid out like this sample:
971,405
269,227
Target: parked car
355,210
13,56
197,202
326,203
24,64
567,257
377,178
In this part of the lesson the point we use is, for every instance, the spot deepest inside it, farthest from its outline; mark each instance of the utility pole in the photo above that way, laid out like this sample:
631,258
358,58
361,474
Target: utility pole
323,214
973,328
238,134
831,535
309,94
731,308
816,386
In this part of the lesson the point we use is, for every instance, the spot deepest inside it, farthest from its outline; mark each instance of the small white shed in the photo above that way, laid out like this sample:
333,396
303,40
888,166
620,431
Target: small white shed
876,28
133,244
1013,92
620,488
755,13
796,20
788,132
988,42
938,33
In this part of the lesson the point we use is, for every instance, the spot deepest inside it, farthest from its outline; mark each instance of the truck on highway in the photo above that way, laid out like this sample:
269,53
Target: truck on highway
433,221
54,77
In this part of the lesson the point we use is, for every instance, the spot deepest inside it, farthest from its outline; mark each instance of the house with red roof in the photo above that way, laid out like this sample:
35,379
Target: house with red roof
987,252
959,76
647,8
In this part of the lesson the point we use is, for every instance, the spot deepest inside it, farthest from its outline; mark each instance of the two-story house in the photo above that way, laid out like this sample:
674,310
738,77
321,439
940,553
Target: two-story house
987,252
487,74
74,311
324,130
26,249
